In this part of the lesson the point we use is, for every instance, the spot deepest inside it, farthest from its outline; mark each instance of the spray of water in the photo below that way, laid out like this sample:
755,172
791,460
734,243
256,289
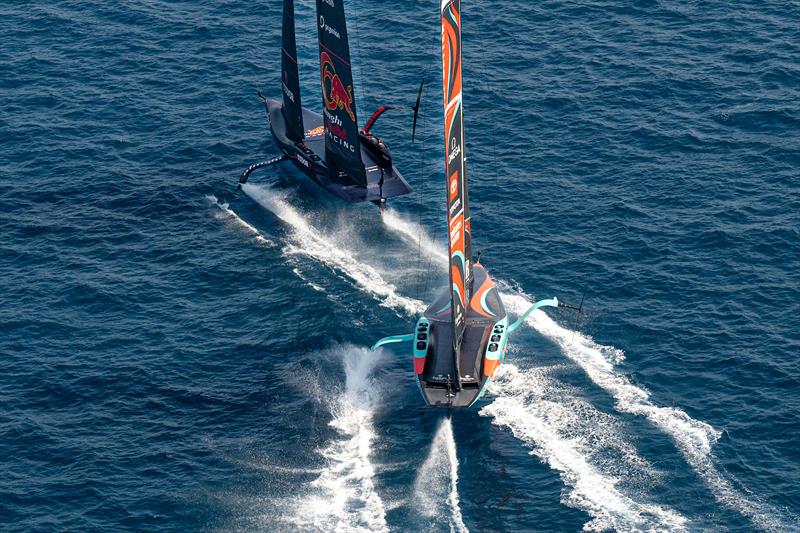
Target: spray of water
339,493
437,481
228,213
309,241
414,233
343,497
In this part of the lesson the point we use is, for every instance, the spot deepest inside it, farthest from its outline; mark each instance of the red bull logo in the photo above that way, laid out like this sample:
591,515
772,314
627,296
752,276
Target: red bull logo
333,92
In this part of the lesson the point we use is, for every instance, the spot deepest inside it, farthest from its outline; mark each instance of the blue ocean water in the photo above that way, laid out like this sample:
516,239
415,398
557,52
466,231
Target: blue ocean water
180,356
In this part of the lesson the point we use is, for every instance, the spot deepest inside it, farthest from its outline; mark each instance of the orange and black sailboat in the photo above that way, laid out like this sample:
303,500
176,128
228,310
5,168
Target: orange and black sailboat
461,339
347,161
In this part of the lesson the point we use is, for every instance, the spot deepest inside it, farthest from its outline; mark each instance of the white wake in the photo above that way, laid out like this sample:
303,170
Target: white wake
227,212
416,234
437,480
309,241
693,438
343,496
583,445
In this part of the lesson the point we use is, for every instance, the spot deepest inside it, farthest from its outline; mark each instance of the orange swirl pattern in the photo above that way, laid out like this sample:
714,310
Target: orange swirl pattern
454,164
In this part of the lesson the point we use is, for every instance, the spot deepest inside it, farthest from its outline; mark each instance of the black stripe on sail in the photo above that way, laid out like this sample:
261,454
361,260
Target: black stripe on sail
290,77
343,152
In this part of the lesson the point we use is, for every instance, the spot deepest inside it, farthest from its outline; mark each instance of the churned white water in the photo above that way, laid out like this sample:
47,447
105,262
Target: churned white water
436,487
309,241
344,497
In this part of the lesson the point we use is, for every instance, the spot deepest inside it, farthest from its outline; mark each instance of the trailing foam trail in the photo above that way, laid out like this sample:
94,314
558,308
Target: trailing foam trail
343,496
453,498
547,416
310,242
693,438
414,233
439,474
225,208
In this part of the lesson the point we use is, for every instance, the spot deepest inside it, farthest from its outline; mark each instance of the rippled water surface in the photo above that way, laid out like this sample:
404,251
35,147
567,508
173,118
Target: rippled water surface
180,356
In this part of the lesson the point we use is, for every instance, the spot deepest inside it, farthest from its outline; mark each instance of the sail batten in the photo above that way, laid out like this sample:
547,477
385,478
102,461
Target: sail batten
290,76
459,245
342,147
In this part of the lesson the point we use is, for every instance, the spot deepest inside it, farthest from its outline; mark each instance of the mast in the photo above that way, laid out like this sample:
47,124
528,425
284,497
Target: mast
342,148
292,107
459,242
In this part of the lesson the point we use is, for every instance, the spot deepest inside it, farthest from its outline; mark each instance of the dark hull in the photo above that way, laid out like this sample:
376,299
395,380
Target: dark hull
449,381
309,157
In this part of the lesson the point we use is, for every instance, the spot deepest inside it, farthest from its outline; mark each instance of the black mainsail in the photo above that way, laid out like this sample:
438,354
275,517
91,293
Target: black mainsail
292,106
459,244
342,148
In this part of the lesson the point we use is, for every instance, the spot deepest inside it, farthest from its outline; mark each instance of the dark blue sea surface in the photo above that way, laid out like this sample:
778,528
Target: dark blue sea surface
180,356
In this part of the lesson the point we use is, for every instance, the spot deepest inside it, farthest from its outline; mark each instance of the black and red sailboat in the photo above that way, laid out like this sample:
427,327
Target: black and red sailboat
348,161
461,339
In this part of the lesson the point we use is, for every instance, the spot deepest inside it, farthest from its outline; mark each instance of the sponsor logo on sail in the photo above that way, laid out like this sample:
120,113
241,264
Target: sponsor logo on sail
455,231
455,149
286,90
453,185
455,207
344,144
333,91
327,27
337,130
332,118
334,134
